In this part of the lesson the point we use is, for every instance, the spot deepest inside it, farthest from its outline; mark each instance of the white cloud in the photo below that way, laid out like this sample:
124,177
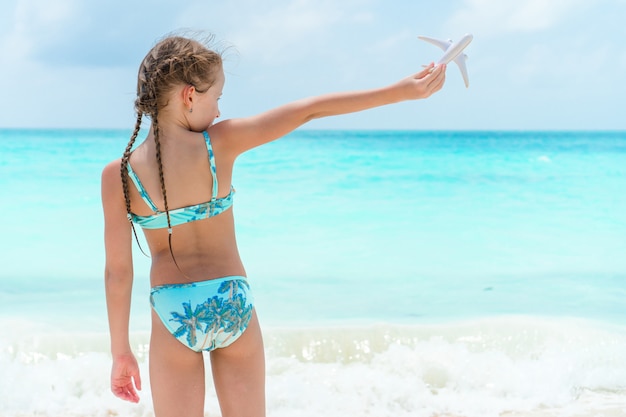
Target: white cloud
35,23
286,28
78,33
44,14
494,17
274,31
364,17
392,41
552,67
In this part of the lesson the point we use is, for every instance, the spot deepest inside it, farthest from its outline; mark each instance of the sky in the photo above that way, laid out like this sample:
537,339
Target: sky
533,64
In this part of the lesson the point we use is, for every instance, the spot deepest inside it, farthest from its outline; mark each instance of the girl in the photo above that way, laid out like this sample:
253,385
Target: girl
176,185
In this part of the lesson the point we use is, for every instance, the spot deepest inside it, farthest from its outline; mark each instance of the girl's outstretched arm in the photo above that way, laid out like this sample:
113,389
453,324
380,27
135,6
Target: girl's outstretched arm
118,284
246,133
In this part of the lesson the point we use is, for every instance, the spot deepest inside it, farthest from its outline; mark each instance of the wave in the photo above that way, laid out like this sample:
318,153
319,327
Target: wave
504,366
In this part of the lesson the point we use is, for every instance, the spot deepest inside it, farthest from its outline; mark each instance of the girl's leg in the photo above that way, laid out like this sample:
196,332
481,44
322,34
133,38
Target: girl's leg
176,375
239,374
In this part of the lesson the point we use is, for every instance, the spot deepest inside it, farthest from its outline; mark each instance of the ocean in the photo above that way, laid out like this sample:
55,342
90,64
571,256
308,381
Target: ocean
404,273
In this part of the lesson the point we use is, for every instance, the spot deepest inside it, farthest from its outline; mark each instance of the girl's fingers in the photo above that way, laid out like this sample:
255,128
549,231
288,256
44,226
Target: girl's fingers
427,70
137,379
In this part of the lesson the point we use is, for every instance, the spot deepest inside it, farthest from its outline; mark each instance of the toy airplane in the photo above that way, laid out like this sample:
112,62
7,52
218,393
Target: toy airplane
453,52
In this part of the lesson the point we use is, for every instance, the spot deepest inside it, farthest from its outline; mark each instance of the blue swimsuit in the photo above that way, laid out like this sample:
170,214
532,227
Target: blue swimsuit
182,215
203,315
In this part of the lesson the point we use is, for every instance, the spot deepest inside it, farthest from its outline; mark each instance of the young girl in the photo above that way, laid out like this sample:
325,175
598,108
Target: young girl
176,186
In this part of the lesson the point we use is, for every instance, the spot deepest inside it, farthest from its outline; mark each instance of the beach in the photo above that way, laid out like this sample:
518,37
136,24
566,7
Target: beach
450,274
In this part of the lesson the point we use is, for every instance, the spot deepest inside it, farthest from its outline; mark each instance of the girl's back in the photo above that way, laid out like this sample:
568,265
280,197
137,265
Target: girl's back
203,238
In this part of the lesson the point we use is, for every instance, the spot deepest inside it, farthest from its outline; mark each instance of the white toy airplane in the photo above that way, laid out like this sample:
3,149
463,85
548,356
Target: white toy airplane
453,52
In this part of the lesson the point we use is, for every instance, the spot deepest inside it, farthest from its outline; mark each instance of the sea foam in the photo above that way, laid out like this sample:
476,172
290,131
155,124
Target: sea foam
506,366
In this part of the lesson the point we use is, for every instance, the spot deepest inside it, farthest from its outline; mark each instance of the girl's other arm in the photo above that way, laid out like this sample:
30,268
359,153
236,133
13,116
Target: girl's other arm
118,283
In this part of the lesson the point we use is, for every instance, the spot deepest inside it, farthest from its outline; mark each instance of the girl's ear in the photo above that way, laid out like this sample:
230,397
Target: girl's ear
188,95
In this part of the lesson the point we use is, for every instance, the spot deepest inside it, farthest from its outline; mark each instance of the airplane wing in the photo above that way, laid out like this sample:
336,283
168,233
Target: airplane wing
439,43
460,61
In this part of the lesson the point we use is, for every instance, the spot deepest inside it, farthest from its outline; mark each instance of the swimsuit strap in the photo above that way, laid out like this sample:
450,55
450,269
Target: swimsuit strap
212,164
142,191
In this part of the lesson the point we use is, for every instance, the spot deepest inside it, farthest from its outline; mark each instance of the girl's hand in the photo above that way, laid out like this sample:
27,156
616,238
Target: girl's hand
125,377
425,83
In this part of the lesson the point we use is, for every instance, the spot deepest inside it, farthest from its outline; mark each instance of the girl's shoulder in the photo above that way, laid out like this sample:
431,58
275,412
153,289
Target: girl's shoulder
112,174
112,168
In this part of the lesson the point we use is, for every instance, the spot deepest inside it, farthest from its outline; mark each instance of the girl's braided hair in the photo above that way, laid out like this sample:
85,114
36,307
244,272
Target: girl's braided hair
174,61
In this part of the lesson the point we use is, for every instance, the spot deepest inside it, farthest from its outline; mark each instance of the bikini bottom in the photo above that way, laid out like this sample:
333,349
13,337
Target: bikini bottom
205,315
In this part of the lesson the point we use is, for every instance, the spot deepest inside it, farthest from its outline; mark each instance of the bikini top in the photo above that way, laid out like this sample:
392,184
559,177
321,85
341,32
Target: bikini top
187,214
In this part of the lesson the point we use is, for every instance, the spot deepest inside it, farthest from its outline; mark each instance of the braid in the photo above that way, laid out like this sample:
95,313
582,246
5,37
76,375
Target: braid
124,165
157,143
124,174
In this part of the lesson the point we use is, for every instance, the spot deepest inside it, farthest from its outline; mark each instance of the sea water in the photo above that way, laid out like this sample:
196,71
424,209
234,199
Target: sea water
395,273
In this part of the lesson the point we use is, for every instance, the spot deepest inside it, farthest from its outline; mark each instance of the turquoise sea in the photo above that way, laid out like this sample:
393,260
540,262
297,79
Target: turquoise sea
404,273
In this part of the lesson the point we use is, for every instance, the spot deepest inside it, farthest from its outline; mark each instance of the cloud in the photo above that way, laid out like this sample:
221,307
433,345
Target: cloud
283,28
393,40
286,28
33,23
495,17
88,34
272,32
